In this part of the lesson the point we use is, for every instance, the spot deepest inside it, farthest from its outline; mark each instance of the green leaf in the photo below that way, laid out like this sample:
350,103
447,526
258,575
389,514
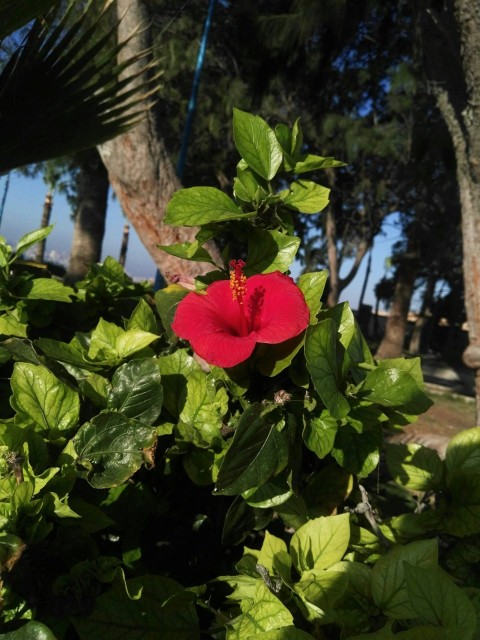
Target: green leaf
265,614
39,398
463,452
187,251
143,318
161,608
319,433
391,386
10,326
96,388
437,600
286,633
110,342
389,588
111,447
307,197
312,162
29,239
257,144
248,188
358,453
30,631
321,542
270,251
322,589
166,301
46,289
203,411
201,205
271,494
277,357
273,548
414,467
137,390
321,356
462,517
176,369
257,452
312,286
241,519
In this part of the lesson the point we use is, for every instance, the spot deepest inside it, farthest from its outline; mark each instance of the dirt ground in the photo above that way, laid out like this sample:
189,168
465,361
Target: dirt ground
448,415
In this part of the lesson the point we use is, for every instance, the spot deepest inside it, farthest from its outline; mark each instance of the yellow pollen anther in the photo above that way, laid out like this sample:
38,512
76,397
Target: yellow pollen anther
238,281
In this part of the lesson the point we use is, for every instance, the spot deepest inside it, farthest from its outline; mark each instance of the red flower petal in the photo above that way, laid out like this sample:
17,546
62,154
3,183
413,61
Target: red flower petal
224,350
284,312
224,333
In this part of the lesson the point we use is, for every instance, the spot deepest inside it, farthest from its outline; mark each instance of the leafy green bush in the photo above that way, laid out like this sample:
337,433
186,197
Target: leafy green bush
132,471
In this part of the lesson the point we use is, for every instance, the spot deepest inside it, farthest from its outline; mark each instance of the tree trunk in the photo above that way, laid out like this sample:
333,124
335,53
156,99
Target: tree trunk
425,312
92,192
46,214
139,168
124,246
451,50
393,341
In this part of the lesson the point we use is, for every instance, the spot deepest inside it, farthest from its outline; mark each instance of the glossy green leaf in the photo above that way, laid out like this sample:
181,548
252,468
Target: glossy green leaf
322,589
46,289
307,197
270,251
389,588
137,391
30,239
143,318
202,414
312,286
257,144
462,517
272,549
201,205
414,467
29,631
241,518
391,386
248,187
265,614
320,543
271,494
10,326
175,369
110,342
160,607
277,357
257,452
166,301
311,162
321,356
358,453
463,452
187,251
437,600
319,433
111,447
39,398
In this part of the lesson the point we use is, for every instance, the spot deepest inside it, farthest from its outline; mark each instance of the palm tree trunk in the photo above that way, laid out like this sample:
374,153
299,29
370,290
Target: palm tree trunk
415,340
139,167
46,214
92,192
393,341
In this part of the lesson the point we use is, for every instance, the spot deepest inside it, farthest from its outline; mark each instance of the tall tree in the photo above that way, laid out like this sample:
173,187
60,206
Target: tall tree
139,167
450,34
90,208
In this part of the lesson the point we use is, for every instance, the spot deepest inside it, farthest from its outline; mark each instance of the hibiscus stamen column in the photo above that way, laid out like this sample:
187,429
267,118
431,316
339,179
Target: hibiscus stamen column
238,285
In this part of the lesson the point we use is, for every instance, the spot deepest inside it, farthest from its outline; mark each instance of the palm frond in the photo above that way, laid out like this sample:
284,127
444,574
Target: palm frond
64,90
16,13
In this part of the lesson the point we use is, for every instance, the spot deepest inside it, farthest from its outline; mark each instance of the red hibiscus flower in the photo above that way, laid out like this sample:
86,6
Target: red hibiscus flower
225,323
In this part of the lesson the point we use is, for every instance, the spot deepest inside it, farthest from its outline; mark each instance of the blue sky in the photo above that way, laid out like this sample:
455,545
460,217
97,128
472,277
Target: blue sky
23,211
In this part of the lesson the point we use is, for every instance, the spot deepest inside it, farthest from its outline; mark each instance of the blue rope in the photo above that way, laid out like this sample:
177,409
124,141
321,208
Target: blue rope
159,282
192,104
